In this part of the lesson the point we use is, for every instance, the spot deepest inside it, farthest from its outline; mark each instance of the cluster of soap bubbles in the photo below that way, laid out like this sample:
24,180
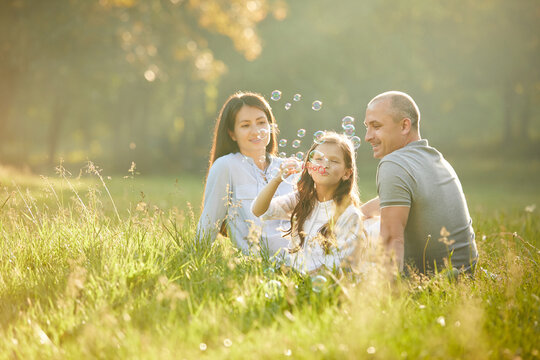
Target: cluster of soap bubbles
276,96
347,124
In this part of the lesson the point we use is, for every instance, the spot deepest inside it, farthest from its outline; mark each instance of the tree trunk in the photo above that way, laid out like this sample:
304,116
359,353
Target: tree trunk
8,91
508,100
525,119
55,129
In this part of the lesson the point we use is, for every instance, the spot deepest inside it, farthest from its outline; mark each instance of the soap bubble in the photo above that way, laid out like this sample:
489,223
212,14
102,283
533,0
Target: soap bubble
296,144
276,95
317,105
274,173
283,142
347,120
317,283
262,133
316,157
349,130
283,154
318,137
272,289
299,156
297,97
287,106
356,141
301,133
292,170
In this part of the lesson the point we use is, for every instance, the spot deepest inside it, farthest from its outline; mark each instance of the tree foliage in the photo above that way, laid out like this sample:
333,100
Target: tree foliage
123,80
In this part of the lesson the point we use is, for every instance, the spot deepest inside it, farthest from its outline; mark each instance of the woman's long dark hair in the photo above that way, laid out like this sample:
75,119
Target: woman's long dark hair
346,192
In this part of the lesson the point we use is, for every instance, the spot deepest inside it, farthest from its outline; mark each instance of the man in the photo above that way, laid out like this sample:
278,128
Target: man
425,221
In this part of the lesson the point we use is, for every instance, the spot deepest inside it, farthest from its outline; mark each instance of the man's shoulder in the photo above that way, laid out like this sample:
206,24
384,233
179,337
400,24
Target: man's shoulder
412,155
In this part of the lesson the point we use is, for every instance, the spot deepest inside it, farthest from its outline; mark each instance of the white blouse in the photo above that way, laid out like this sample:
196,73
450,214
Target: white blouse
348,230
231,187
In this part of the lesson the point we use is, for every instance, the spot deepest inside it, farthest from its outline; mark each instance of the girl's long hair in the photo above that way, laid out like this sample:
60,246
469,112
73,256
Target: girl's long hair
345,195
223,144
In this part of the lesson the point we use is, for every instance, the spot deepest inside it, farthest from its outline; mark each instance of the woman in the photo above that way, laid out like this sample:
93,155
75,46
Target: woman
242,160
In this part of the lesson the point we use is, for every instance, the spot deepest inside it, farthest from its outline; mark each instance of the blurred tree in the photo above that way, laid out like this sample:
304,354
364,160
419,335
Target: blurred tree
121,74
123,80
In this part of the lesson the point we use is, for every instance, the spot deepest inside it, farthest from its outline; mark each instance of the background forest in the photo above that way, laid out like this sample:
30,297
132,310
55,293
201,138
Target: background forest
116,81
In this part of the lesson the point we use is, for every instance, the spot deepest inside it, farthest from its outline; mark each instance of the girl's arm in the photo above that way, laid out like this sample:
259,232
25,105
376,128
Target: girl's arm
262,201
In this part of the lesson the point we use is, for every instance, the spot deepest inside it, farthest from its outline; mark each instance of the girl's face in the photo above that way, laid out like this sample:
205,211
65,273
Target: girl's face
328,165
251,131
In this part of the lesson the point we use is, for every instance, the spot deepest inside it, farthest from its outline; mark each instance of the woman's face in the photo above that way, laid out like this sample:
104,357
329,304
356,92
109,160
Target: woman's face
251,131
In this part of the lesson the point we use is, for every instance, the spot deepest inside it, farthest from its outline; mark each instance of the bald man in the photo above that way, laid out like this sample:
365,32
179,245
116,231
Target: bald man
425,221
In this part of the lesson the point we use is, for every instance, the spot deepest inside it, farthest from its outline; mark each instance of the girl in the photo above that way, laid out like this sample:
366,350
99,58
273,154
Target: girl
326,224
241,160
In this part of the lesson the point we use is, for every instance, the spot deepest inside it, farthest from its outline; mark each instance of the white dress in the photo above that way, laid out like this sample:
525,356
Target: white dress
349,234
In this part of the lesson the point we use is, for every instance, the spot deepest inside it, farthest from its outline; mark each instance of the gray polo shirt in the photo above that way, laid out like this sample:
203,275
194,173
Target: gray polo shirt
418,176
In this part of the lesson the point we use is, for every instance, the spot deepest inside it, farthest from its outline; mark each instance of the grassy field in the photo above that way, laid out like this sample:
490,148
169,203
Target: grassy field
94,271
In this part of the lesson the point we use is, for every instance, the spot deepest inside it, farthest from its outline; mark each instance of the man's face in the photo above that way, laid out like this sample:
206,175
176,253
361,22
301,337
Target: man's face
382,132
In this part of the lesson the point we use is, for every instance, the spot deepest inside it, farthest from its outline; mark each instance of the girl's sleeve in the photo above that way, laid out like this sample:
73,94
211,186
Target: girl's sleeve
351,238
281,207
216,200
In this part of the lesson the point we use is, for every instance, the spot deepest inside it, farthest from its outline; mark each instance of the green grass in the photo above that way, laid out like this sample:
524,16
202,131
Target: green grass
75,282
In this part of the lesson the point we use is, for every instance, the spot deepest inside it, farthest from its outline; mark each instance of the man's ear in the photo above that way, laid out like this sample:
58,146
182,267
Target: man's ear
231,134
406,124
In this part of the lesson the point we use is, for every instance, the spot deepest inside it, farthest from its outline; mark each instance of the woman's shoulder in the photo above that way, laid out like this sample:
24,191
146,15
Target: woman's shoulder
275,160
225,160
221,167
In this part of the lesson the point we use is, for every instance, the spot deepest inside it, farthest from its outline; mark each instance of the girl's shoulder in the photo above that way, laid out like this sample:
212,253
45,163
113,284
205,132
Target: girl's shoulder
352,211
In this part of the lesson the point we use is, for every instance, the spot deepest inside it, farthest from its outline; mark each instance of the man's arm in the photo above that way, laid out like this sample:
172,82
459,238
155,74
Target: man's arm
371,208
393,222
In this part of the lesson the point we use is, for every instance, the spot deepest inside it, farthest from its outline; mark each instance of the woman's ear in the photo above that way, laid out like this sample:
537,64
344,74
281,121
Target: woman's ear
231,134
347,175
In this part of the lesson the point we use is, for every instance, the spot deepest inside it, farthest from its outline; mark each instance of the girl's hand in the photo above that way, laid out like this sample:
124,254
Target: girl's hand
290,166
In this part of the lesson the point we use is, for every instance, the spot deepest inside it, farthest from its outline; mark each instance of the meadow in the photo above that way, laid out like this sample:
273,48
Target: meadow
105,266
